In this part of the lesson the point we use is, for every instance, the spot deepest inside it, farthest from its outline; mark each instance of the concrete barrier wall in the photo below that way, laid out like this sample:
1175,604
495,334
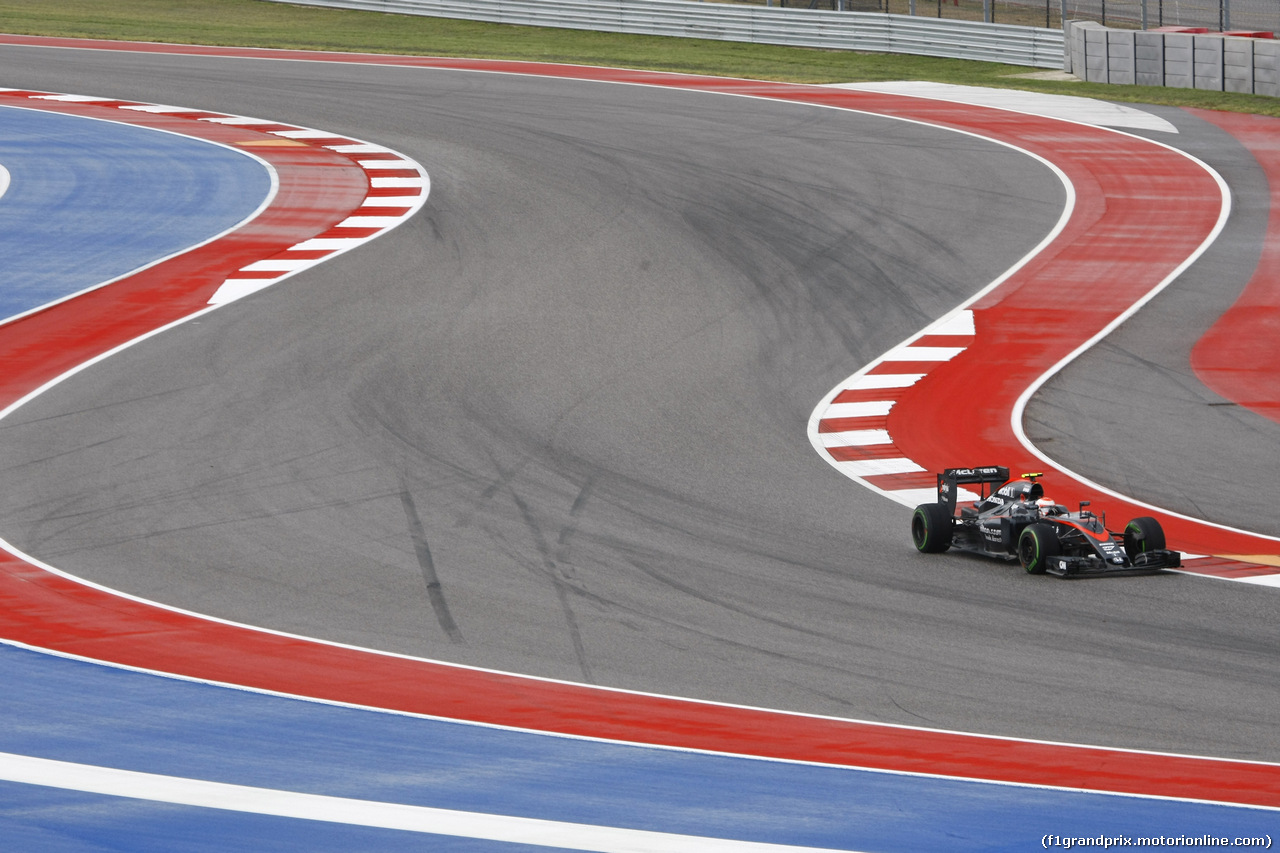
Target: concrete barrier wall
1148,59
1266,70
1208,61
1237,65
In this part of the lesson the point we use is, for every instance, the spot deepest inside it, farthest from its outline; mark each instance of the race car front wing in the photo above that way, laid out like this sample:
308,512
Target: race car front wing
1146,563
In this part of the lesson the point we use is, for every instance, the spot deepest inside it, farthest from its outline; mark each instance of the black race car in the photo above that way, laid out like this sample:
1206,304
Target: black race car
1017,521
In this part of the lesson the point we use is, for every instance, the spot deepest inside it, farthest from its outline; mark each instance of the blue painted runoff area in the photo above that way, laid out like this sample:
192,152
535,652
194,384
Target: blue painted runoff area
89,201
95,715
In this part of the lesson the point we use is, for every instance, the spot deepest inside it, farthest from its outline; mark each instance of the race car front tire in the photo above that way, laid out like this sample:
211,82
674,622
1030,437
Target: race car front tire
1142,535
931,529
1036,546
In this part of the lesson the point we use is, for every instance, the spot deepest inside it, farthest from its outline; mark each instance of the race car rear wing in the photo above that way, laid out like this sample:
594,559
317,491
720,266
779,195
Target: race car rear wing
951,479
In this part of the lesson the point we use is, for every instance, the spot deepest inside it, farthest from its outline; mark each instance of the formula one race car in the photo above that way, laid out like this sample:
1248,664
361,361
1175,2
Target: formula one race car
1017,521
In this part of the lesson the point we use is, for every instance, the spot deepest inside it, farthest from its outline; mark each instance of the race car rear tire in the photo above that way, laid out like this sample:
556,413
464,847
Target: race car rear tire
931,529
1036,546
1142,535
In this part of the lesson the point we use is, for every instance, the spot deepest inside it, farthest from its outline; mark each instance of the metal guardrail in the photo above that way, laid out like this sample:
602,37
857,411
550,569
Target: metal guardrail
879,33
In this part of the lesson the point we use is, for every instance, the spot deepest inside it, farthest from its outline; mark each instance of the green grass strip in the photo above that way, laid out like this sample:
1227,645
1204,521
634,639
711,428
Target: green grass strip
256,23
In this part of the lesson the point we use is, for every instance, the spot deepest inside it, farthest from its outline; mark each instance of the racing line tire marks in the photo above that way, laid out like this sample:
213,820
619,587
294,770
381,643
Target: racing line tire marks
44,608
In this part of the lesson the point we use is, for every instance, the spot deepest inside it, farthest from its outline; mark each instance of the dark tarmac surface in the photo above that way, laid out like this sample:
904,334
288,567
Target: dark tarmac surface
574,389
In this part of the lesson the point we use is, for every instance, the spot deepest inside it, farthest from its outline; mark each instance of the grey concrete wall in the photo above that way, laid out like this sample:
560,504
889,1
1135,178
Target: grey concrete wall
1179,61
1212,62
1266,68
1120,58
1148,59
1237,65
1208,52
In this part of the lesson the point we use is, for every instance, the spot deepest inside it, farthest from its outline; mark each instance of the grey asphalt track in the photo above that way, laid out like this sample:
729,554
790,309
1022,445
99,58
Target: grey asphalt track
573,392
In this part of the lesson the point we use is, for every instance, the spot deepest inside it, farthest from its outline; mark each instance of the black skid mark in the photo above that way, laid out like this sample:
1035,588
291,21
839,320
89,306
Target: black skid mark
560,581
435,592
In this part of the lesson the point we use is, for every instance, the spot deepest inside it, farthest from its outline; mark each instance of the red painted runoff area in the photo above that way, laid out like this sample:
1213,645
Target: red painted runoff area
1119,180
1141,211
1240,356
47,611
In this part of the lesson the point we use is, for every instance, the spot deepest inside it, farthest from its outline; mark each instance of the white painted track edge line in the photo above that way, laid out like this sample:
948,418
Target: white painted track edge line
959,98
1024,399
